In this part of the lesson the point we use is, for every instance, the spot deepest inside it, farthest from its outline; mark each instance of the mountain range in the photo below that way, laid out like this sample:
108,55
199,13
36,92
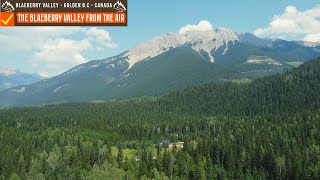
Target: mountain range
11,78
165,63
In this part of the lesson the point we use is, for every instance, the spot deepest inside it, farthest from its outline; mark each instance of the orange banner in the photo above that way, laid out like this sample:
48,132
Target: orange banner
63,13
70,17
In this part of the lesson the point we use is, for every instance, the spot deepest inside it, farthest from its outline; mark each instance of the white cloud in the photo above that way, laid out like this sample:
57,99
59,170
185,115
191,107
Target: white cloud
101,36
58,52
27,38
203,25
55,49
312,37
294,24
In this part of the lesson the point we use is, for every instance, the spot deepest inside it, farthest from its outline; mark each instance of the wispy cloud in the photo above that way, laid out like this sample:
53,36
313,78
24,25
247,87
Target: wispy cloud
294,24
55,49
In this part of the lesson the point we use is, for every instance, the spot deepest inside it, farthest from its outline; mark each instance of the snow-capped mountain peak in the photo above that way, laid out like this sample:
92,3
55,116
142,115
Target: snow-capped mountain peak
153,47
200,41
226,34
10,78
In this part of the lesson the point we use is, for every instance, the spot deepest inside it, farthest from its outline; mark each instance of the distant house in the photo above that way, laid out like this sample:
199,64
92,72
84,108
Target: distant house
178,145
170,145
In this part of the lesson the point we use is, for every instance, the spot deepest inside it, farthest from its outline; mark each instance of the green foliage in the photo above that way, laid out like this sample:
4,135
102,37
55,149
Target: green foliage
294,91
265,129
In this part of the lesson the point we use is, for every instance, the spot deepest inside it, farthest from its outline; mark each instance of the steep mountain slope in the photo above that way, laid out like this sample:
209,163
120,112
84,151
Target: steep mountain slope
165,63
172,70
78,84
11,78
202,42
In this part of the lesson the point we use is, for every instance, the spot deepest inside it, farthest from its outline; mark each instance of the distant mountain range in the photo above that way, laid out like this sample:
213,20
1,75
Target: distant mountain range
11,78
166,63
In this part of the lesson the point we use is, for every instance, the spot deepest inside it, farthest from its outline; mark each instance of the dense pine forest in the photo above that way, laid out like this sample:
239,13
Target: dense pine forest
265,129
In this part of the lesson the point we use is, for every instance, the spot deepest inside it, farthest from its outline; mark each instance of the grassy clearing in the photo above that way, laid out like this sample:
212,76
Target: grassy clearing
127,153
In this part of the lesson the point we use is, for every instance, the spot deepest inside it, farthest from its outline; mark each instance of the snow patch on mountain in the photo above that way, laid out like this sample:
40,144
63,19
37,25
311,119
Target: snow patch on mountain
21,90
94,66
207,41
60,88
126,76
75,69
110,66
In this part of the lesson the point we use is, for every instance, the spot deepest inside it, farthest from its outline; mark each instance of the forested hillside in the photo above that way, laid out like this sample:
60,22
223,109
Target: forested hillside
294,91
265,129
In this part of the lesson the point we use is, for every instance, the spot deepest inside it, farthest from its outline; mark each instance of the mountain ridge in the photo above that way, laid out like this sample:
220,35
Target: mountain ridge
243,55
11,78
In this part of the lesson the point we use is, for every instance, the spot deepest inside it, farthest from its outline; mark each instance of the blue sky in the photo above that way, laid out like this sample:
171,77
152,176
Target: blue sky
147,19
